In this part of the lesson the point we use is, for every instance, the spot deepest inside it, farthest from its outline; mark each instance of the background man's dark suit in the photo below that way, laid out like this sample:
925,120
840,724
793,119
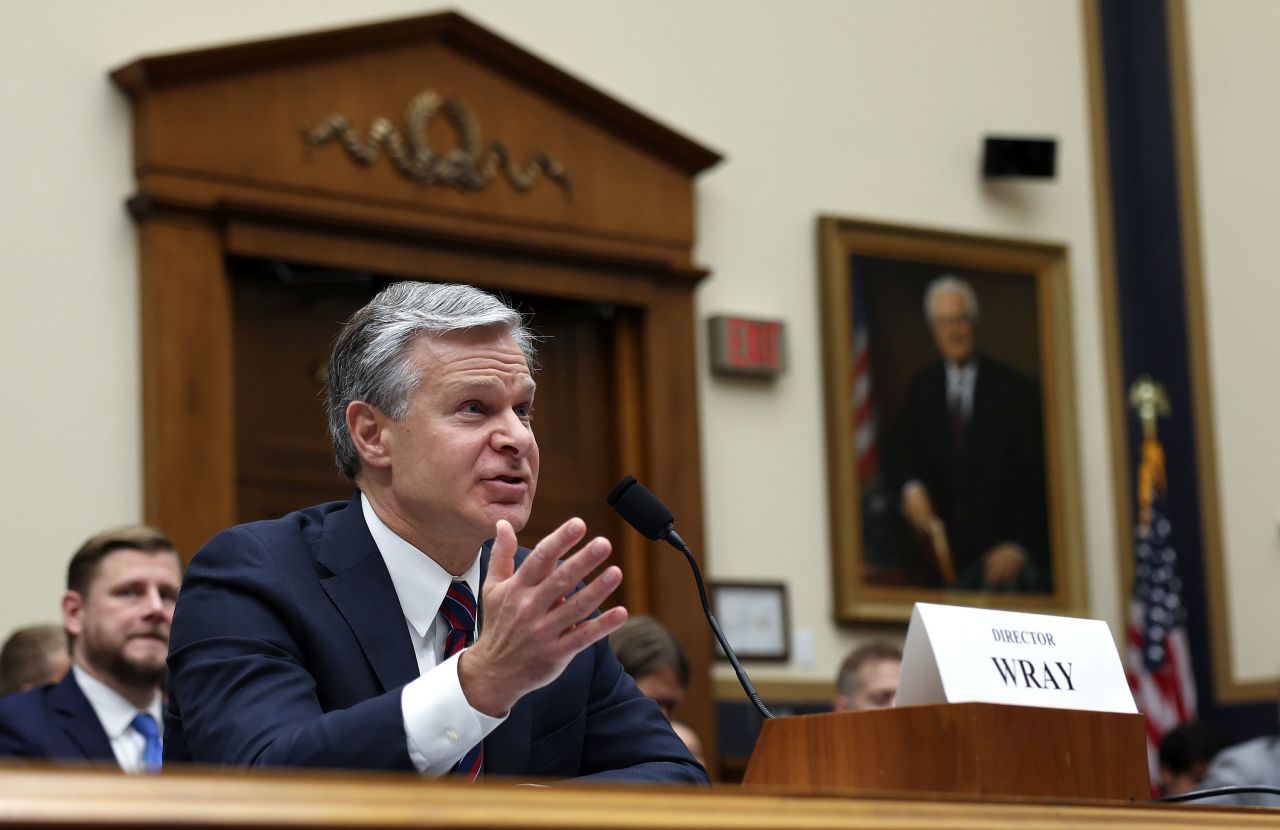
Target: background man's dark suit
289,647
53,722
992,491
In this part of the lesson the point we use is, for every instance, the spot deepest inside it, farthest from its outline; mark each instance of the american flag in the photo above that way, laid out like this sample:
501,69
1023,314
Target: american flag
862,400
1159,655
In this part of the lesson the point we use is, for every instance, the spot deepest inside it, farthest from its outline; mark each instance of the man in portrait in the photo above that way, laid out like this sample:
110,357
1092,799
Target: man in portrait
404,629
967,460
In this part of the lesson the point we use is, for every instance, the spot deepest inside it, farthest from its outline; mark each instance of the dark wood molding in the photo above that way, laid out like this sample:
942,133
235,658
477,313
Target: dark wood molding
263,208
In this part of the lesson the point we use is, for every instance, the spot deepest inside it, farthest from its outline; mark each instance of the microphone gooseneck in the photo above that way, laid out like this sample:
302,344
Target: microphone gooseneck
647,514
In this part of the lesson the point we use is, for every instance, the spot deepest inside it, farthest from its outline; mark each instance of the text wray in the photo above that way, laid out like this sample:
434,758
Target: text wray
1017,672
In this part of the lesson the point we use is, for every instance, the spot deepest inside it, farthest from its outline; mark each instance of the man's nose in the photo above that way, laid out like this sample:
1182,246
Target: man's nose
514,435
155,603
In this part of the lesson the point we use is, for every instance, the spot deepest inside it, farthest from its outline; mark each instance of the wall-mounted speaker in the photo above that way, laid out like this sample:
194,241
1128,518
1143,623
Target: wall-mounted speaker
1004,157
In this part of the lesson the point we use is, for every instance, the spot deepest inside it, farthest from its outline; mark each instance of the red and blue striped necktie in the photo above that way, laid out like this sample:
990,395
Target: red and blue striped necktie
459,610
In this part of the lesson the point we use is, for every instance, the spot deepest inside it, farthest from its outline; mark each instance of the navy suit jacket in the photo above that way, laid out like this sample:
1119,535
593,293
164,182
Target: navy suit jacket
54,722
289,648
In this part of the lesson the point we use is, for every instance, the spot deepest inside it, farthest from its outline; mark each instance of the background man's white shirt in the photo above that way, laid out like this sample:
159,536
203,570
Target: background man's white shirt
116,716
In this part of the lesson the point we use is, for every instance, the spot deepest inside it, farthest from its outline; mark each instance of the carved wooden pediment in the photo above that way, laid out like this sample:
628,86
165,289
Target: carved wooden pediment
432,115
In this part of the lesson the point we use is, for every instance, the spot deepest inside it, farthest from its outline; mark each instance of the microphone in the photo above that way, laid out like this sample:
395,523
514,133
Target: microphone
647,514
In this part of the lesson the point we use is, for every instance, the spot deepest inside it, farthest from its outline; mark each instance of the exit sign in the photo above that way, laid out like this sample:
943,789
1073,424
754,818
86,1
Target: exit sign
742,346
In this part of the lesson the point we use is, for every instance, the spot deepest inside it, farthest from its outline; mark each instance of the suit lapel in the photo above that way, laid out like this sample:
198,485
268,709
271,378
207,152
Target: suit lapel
78,721
362,591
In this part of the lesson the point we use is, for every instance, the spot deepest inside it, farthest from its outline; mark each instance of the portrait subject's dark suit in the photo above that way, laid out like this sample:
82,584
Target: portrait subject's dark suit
989,488
289,648
54,722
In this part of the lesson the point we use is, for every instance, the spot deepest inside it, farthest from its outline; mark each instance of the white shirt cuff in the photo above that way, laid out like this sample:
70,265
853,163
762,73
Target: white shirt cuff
439,724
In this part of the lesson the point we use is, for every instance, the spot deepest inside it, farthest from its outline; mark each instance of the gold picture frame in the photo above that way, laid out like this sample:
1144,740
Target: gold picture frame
1013,481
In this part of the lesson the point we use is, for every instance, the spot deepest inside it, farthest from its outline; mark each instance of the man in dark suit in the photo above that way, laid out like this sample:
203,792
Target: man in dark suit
348,635
968,458
121,589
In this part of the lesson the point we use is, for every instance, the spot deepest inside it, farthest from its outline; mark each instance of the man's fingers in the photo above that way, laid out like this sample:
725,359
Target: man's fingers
581,604
546,553
573,570
584,634
502,556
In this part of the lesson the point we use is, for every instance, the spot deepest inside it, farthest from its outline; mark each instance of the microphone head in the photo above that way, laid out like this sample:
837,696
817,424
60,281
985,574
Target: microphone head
640,508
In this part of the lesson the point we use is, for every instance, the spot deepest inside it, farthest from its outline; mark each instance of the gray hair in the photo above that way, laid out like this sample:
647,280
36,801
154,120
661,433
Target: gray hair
370,360
950,282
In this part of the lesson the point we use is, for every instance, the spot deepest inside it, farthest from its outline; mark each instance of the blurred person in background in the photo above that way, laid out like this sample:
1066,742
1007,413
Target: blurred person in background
117,610
33,656
1252,763
868,678
658,664
1185,753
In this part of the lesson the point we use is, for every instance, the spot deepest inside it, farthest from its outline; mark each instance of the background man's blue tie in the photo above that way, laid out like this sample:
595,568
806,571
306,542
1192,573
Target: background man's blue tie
152,752
459,610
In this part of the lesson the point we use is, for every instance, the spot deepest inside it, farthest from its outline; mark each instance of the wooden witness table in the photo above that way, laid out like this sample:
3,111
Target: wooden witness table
59,797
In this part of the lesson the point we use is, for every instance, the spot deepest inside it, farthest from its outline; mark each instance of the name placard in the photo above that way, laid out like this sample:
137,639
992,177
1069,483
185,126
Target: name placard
976,655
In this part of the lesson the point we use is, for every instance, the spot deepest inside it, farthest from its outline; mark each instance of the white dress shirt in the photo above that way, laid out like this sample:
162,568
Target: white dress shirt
116,716
439,724
960,383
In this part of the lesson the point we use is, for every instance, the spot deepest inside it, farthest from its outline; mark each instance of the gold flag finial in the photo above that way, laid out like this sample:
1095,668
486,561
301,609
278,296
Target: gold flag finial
1147,397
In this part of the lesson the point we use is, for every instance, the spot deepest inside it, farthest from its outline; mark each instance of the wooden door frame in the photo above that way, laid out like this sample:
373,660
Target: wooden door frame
189,387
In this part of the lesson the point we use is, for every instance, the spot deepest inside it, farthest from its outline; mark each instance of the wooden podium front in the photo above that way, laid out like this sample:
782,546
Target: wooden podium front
959,748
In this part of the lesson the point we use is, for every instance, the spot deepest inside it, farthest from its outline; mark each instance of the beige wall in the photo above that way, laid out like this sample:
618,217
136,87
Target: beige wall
867,108
1234,64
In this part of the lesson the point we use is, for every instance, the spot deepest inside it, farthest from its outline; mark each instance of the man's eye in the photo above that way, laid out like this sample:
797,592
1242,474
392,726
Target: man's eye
472,407
524,411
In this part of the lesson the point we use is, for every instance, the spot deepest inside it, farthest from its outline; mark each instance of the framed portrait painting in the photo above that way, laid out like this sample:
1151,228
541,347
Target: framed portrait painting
950,411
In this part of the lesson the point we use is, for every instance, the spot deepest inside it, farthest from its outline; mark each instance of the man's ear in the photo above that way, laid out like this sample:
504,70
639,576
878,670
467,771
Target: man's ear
367,426
73,612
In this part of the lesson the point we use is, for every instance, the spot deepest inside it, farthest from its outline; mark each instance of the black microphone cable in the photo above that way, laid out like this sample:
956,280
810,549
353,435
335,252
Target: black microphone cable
1213,792
646,513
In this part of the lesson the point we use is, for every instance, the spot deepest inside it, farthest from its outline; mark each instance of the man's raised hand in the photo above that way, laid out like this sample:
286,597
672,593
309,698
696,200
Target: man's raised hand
532,627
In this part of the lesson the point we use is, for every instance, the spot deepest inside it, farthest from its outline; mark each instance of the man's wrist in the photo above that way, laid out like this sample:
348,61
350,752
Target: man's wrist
478,686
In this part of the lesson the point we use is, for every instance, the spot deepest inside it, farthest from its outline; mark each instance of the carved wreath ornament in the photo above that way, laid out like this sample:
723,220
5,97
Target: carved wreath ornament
470,166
